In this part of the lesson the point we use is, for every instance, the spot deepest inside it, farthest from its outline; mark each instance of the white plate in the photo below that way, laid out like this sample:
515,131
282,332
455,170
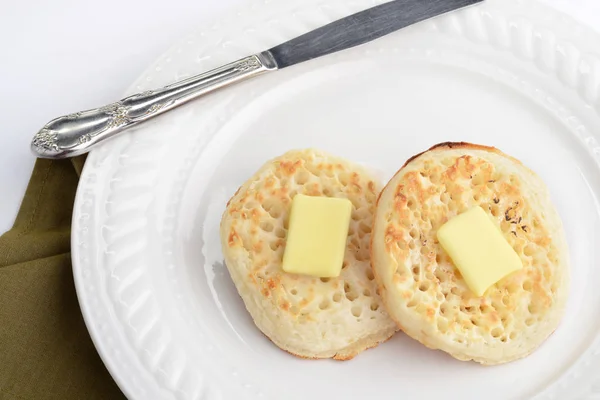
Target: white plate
155,295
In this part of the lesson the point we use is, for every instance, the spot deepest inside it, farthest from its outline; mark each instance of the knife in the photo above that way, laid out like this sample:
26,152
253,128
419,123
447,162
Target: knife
78,133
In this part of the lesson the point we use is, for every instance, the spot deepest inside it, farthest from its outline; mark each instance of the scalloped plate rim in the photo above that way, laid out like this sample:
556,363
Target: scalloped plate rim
87,313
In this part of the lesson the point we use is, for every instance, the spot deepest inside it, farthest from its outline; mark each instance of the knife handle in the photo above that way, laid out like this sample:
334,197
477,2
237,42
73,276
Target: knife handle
77,133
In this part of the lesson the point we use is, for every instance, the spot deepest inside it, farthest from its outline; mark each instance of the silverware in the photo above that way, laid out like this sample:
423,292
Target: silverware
77,133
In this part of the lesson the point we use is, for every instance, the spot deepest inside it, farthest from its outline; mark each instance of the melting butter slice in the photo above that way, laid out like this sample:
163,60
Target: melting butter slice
478,249
316,239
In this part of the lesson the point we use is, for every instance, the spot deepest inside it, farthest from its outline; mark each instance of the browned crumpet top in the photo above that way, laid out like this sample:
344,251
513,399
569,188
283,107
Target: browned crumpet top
423,290
307,316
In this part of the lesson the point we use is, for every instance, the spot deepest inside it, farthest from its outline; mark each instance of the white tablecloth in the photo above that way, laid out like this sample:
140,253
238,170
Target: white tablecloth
62,56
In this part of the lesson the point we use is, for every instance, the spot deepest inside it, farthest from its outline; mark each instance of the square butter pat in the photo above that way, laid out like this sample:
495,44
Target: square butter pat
316,239
478,249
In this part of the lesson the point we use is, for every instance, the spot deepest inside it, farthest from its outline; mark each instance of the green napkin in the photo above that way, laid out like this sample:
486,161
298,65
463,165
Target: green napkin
45,349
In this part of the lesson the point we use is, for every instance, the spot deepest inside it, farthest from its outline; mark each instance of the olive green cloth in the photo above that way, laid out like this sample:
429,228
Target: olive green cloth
45,349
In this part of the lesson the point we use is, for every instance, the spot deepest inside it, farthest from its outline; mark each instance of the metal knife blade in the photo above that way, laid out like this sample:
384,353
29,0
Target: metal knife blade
78,133
361,28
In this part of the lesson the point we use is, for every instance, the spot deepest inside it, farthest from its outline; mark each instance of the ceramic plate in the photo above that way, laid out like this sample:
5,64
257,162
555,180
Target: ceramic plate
156,297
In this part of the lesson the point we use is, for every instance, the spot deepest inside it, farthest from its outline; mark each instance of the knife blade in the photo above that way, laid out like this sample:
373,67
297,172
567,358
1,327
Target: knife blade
361,28
78,133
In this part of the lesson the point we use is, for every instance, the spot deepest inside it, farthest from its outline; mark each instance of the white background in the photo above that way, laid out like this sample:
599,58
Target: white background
62,56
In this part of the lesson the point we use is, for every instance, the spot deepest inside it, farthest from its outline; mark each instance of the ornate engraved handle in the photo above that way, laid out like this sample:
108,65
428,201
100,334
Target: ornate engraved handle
75,134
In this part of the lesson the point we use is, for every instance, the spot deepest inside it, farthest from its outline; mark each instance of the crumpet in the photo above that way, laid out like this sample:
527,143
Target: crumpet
306,316
421,288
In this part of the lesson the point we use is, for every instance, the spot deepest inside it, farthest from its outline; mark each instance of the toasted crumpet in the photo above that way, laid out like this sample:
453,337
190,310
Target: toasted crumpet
422,289
305,316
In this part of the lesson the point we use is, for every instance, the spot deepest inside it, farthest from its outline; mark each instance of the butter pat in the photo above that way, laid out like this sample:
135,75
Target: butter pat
316,239
478,249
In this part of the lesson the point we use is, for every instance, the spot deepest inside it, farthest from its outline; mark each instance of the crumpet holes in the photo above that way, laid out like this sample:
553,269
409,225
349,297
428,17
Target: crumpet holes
512,288
275,212
440,275
280,233
533,308
364,228
351,230
266,226
424,286
445,198
349,293
443,309
351,296
268,204
302,177
361,256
